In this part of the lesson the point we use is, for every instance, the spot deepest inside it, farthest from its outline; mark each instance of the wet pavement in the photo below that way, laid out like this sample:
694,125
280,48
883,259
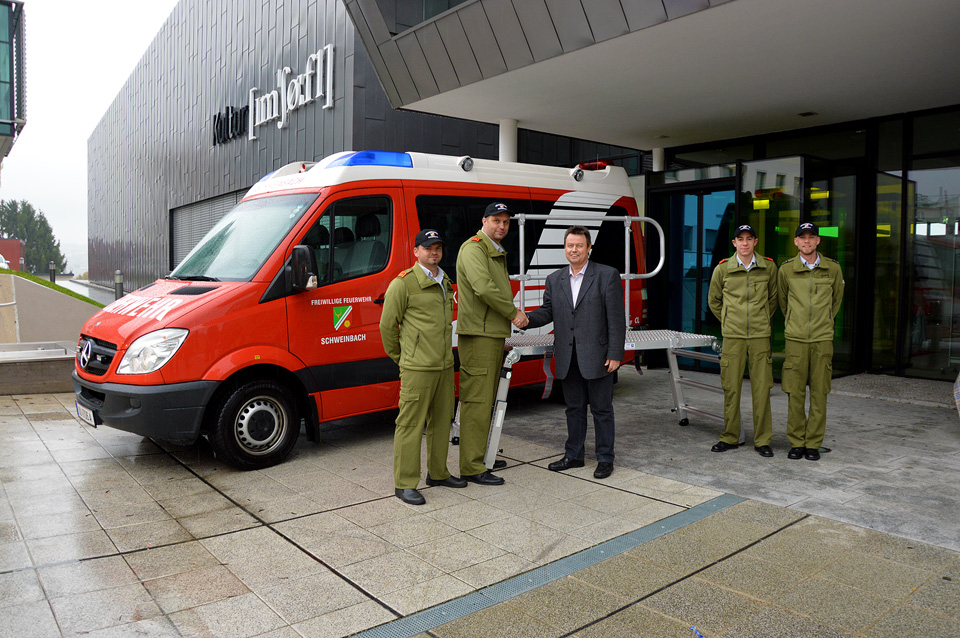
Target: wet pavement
103,533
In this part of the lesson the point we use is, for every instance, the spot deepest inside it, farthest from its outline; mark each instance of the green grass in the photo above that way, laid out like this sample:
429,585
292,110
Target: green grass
52,286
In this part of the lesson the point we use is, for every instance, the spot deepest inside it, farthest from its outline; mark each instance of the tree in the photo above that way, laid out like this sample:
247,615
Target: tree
20,220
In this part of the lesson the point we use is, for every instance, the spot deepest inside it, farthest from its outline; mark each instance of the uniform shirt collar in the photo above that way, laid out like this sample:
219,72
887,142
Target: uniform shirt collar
426,271
496,245
808,265
753,261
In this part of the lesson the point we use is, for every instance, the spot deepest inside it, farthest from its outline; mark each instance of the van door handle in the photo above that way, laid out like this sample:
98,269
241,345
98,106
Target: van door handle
379,300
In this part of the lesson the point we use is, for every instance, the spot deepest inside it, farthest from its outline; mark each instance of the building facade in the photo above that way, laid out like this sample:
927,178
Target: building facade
230,91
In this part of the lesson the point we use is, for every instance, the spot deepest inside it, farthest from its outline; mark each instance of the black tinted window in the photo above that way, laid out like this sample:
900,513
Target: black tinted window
459,218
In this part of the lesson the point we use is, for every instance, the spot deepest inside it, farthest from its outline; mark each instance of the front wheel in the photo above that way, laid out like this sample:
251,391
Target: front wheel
256,426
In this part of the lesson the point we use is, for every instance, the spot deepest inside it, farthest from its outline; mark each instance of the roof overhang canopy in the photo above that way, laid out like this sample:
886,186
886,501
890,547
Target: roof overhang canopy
619,74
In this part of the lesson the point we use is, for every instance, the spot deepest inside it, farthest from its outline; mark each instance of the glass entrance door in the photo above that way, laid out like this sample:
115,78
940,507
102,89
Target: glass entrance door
698,225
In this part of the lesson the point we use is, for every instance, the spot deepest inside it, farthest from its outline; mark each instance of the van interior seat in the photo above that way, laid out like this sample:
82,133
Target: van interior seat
368,253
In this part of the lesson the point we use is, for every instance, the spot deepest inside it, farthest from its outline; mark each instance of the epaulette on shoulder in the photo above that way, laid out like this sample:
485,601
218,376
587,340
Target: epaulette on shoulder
403,273
768,258
474,238
834,260
787,261
721,261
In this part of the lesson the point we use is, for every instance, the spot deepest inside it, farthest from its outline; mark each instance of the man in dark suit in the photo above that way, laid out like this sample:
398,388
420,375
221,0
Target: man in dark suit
585,303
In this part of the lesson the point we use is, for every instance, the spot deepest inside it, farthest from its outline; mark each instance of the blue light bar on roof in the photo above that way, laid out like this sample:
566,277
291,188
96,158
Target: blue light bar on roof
374,158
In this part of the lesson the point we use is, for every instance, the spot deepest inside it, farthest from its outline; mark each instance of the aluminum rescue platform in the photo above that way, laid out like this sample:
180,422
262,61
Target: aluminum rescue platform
673,342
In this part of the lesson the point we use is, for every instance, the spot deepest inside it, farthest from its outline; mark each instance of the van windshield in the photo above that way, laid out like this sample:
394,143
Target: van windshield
239,244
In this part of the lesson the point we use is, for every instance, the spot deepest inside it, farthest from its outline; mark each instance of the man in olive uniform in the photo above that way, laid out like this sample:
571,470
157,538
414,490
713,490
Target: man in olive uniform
743,296
416,328
485,311
811,290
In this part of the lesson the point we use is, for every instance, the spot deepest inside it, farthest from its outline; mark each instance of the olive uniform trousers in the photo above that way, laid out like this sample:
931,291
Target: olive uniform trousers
807,363
734,357
481,359
426,401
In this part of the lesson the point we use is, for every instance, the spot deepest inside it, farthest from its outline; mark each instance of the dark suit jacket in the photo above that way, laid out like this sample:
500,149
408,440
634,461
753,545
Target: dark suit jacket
597,322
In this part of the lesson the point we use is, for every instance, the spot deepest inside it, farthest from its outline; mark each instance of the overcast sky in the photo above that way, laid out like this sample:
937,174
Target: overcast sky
79,54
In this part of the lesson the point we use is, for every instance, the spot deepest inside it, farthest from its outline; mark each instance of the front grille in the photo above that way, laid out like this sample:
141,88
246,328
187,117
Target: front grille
101,355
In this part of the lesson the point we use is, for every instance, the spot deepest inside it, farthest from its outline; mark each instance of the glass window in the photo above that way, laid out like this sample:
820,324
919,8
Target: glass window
351,239
932,340
238,245
886,310
459,218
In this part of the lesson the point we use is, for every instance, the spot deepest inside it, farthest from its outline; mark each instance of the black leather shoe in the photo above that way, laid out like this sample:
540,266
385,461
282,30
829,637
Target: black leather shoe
487,478
413,497
564,464
764,450
450,481
723,447
499,464
796,453
812,454
603,470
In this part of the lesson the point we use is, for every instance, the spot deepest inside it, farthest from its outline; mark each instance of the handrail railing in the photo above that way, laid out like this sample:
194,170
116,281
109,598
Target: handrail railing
626,276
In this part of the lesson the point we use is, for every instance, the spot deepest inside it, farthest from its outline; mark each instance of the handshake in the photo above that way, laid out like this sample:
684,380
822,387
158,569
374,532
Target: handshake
521,320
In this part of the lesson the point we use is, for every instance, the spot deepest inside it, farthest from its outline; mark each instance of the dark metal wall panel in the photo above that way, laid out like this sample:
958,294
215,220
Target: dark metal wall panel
376,58
416,61
525,31
399,72
680,8
606,19
641,14
432,45
508,32
458,48
571,24
479,33
393,130
538,27
375,21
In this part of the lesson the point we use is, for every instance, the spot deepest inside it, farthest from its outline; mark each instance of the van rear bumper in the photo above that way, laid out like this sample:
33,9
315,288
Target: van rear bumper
171,413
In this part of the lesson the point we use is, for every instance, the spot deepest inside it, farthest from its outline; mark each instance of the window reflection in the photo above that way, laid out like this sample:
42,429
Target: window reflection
932,341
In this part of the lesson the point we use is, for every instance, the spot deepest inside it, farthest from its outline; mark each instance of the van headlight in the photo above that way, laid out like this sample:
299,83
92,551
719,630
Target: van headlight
151,351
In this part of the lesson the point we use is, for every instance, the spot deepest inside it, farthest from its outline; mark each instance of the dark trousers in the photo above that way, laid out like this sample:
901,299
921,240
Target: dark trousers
578,392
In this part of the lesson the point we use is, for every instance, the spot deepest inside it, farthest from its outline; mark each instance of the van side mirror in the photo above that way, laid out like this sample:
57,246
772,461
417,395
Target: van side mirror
303,266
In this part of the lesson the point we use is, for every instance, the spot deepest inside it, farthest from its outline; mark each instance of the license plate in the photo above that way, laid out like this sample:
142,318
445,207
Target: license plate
86,415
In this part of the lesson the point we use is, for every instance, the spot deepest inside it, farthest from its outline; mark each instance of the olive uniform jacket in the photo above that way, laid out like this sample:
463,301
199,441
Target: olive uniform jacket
744,300
484,297
810,298
416,324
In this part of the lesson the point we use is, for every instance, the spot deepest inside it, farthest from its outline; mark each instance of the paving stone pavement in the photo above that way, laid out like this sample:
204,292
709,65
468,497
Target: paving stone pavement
103,533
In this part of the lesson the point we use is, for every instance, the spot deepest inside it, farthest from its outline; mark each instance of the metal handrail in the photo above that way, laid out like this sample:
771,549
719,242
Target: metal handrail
626,276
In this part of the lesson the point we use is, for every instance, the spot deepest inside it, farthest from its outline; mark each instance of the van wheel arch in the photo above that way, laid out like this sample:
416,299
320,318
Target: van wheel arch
254,419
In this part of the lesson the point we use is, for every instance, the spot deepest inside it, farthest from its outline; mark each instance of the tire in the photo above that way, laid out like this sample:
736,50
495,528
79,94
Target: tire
256,426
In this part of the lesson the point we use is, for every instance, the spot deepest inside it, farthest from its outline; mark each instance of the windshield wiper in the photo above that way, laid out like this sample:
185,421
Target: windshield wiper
195,278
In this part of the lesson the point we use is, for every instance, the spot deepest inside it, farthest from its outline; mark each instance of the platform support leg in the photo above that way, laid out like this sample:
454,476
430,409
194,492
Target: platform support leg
499,410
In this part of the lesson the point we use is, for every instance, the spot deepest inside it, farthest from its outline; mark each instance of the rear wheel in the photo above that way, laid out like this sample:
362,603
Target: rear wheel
256,426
